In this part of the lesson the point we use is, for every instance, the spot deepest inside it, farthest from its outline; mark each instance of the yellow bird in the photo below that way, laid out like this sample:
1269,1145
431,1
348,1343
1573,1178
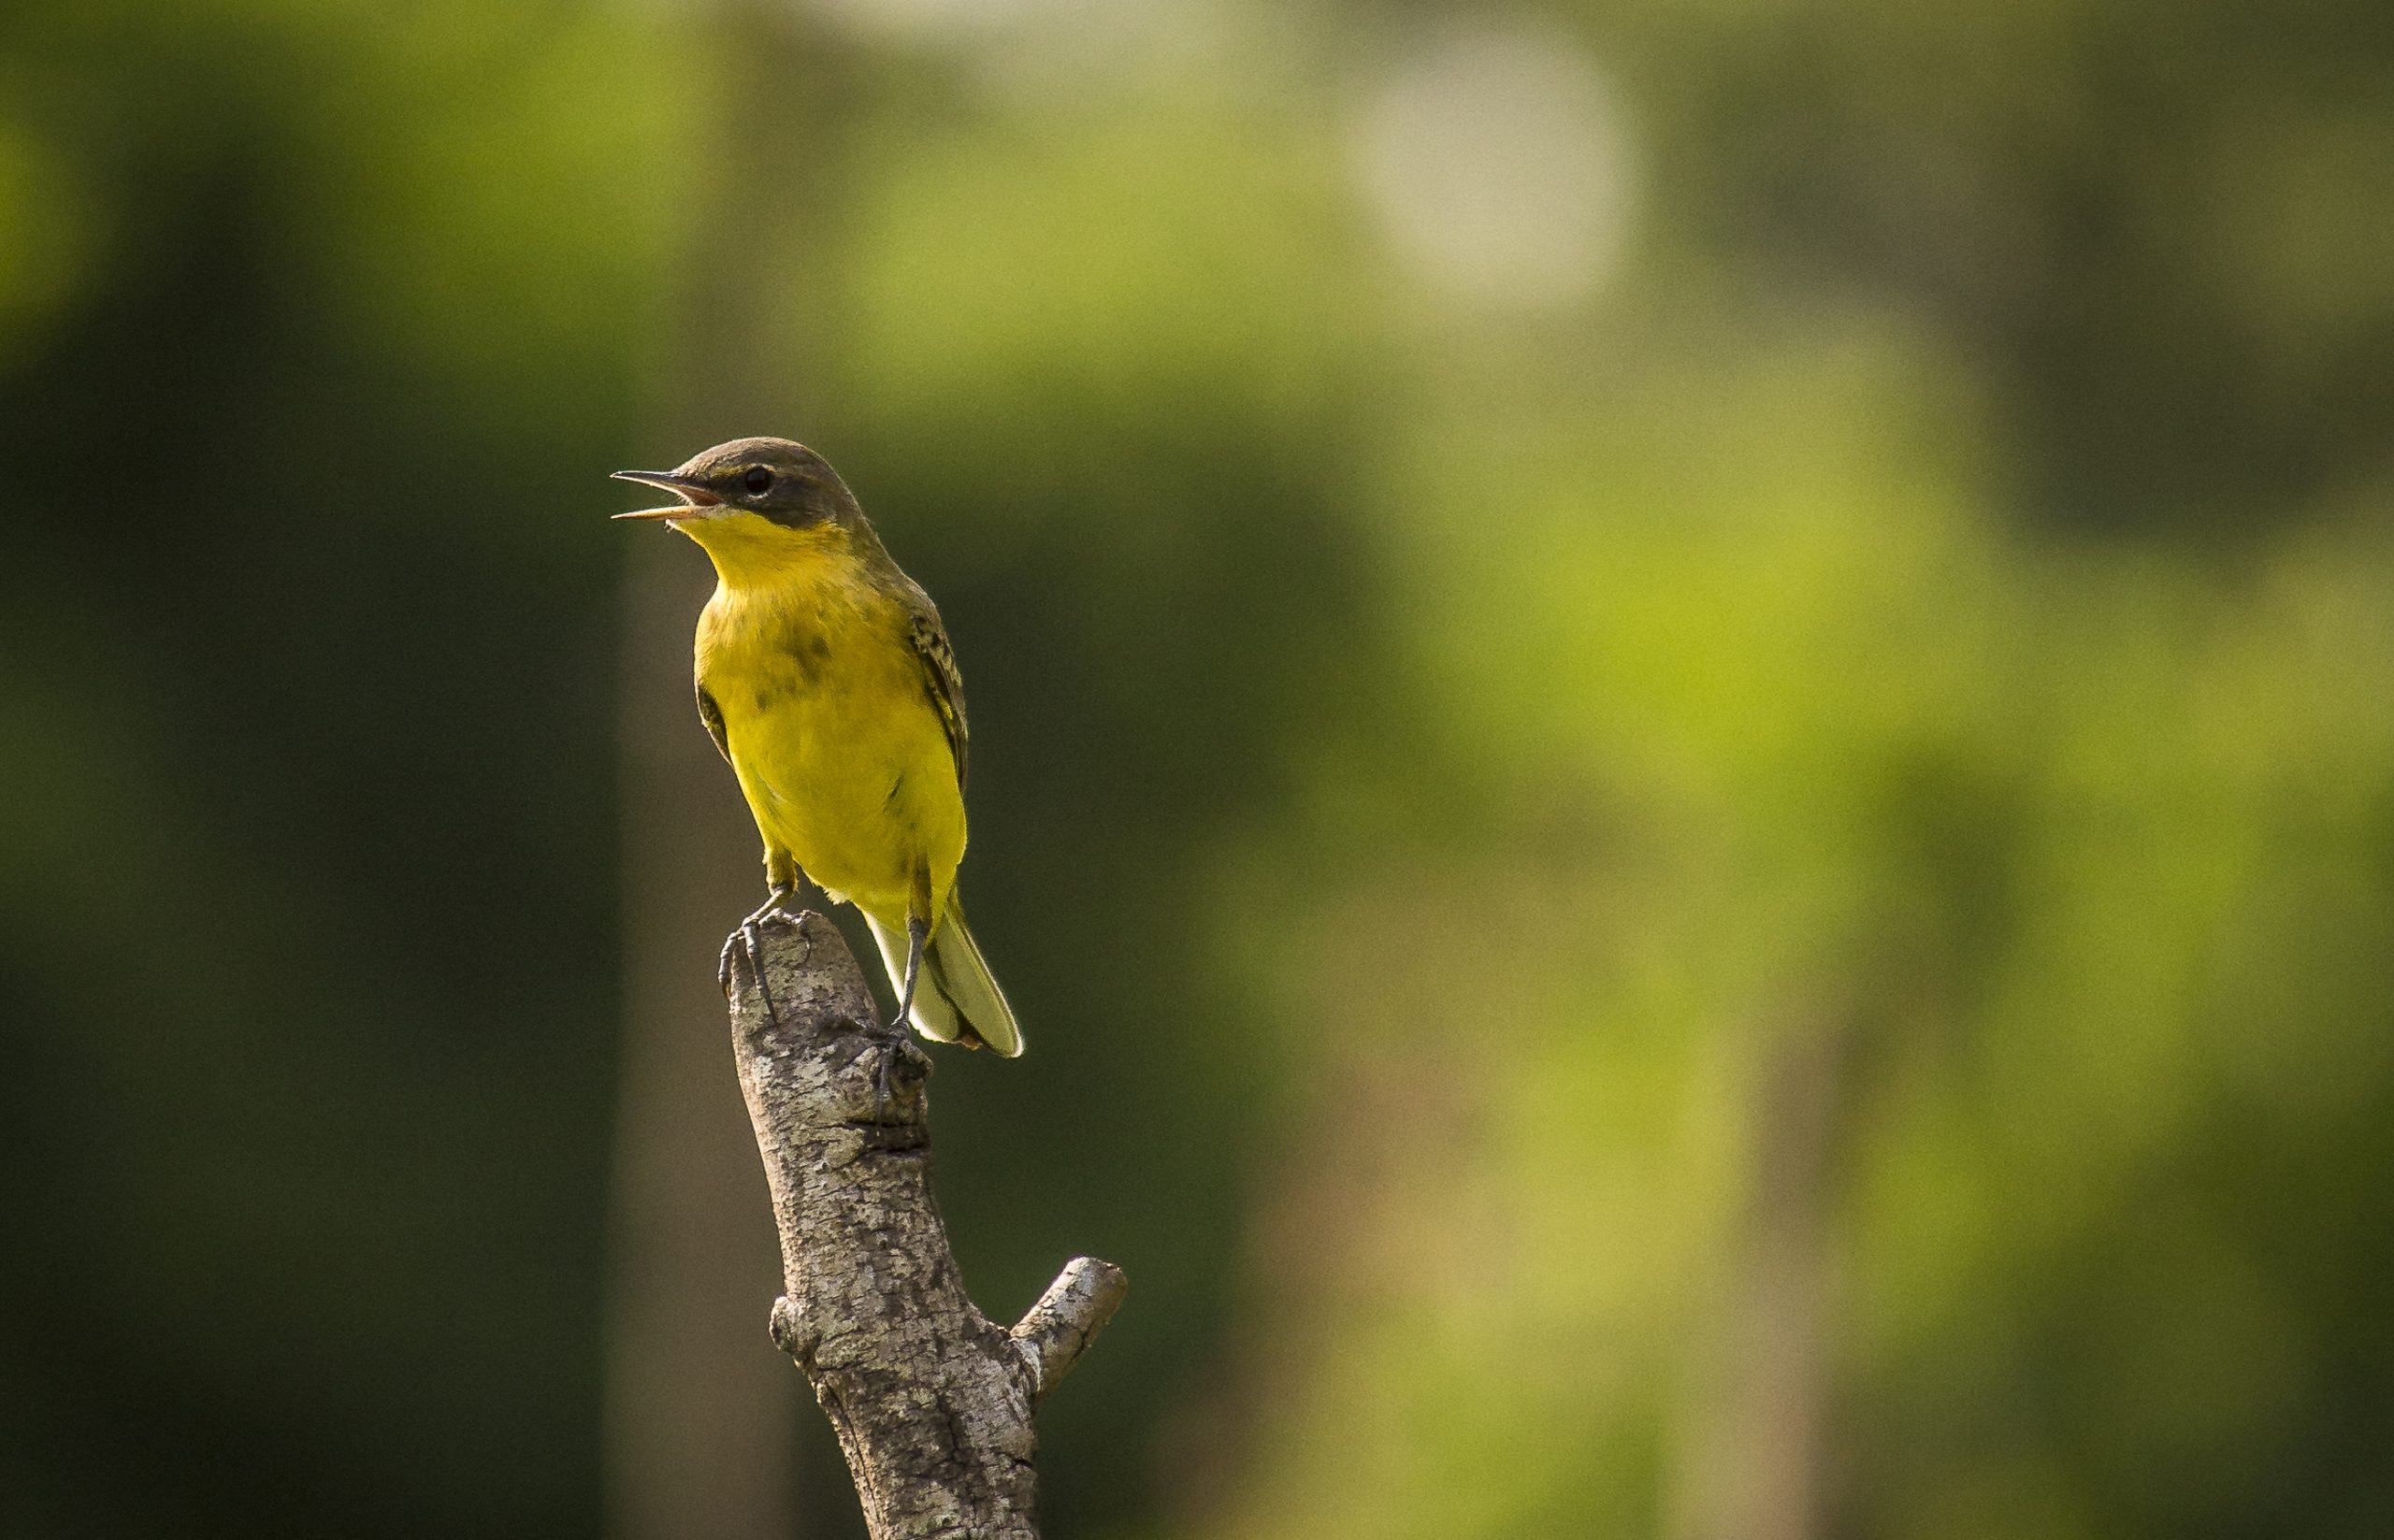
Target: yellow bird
826,679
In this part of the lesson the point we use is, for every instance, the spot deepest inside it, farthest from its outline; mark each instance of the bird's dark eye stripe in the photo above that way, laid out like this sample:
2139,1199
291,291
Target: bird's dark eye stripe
758,479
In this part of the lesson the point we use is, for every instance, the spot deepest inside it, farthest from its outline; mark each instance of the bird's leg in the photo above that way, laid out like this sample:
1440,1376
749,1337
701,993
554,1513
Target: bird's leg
916,933
900,1030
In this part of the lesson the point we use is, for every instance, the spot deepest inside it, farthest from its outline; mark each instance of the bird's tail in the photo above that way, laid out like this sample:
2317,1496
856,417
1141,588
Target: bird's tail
955,1000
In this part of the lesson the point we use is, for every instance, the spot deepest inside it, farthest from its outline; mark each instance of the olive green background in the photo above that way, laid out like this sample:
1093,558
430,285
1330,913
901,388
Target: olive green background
1683,738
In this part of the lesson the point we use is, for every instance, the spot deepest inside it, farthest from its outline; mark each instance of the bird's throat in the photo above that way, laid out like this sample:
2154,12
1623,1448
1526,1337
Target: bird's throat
752,553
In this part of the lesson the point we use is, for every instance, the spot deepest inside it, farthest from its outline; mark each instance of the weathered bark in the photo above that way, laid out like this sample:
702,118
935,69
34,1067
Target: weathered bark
932,1401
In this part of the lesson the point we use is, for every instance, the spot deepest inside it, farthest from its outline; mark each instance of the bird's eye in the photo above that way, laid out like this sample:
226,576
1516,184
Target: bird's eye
756,479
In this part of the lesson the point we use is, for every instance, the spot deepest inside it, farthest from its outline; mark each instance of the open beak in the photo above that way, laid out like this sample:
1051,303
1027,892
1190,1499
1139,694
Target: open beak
693,496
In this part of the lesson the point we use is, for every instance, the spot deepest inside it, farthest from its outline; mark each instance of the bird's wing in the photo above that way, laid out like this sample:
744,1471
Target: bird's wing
940,677
712,714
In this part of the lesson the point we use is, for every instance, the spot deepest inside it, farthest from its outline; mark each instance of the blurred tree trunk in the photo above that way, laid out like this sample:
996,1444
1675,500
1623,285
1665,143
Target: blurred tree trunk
703,1415
1755,1467
701,1423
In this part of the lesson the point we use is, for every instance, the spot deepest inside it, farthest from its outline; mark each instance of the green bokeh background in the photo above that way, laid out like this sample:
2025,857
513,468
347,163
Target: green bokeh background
1683,738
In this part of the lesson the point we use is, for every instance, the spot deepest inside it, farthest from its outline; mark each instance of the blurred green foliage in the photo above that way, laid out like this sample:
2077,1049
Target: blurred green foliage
1716,860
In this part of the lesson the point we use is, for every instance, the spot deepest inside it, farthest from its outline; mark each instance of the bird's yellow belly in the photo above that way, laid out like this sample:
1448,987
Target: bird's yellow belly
846,766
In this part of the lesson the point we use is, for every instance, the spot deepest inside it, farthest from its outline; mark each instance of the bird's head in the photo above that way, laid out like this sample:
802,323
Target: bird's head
749,487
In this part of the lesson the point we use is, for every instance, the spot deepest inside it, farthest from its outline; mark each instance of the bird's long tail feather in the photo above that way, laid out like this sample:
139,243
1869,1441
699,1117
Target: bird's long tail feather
955,1000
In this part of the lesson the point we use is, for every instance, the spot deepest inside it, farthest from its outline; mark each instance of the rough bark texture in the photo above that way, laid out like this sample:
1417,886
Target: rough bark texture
932,1401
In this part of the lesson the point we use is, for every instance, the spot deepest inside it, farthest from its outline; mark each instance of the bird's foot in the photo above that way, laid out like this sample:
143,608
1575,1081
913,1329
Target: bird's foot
781,900
896,1043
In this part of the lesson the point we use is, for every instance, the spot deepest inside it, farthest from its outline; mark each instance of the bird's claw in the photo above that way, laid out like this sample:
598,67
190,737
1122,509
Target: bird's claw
897,1043
751,944
753,939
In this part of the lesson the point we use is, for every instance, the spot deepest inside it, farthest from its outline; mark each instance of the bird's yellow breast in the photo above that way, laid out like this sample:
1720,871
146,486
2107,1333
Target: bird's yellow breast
839,747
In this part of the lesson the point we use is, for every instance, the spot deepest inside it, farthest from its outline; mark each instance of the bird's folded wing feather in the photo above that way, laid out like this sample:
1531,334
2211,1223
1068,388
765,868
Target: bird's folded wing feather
712,714
940,677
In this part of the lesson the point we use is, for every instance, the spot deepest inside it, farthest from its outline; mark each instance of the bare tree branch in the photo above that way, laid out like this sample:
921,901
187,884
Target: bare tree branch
932,1401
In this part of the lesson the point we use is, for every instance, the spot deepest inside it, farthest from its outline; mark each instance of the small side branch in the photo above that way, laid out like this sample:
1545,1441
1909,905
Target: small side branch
1067,1318
932,1401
